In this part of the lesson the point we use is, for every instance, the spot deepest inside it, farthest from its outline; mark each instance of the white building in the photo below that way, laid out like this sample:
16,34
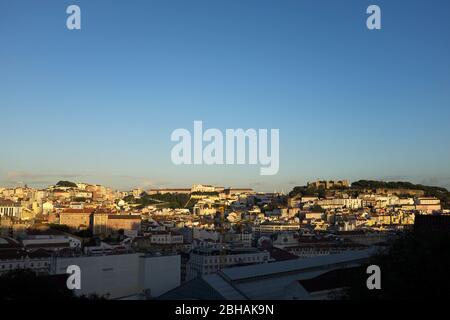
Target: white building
203,261
125,275
269,228
47,207
163,237
314,215
268,281
39,262
284,239
51,242
13,256
203,234
243,239
203,188
10,208
428,201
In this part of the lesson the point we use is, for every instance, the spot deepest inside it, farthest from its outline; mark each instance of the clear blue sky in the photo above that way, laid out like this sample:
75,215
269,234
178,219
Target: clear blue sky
99,105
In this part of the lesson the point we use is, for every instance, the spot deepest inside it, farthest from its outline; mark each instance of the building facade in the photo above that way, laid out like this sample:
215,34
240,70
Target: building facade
205,261
10,208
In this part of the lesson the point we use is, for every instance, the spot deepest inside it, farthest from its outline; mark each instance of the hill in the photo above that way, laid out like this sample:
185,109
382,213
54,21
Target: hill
357,186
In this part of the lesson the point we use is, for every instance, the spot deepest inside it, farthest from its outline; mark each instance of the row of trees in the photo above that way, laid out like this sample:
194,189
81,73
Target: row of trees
66,184
171,200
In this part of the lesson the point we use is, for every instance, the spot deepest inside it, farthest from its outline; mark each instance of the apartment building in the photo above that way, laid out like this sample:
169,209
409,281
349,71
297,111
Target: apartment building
165,237
203,261
309,250
206,188
274,227
315,215
38,261
238,239
10,208
105,223
76,218
428,204
51,242
124,222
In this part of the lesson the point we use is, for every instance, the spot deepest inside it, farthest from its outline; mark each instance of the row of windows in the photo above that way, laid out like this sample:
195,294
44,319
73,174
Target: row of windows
166,239
7,211
234,259
19,265
316,250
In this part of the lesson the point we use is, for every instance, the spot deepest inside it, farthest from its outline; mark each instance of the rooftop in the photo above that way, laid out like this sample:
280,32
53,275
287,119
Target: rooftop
77,211
124,216
268,269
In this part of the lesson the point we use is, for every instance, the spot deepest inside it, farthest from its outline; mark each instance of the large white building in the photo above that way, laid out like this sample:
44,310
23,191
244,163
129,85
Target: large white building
205,261
51,241
135,276
206,188
10,208
120,276
335,203
283,280
269,228
13,256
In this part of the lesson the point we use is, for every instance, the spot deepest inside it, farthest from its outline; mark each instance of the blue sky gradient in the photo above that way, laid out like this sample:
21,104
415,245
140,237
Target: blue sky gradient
99,104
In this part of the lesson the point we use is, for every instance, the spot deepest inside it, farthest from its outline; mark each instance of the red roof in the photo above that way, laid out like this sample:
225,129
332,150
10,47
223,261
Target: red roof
122,216
8,203
78,211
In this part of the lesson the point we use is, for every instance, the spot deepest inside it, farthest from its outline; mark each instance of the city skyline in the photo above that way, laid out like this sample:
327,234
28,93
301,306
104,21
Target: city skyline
147,187
99,104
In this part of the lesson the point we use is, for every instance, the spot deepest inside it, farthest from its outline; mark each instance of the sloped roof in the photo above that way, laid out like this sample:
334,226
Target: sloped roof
334,279
197,289
268,269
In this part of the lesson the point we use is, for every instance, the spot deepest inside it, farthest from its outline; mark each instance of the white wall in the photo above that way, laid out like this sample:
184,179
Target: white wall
124,275
116,275
161,273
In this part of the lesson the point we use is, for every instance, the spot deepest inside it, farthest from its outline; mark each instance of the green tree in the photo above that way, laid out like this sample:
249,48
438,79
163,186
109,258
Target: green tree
67,184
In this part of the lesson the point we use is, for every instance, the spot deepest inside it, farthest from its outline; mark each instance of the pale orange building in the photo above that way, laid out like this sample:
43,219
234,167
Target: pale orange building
76,218
123,222
107,223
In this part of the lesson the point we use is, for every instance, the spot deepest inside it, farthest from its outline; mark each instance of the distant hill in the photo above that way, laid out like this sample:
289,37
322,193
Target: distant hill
430,191
373,184
66,184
